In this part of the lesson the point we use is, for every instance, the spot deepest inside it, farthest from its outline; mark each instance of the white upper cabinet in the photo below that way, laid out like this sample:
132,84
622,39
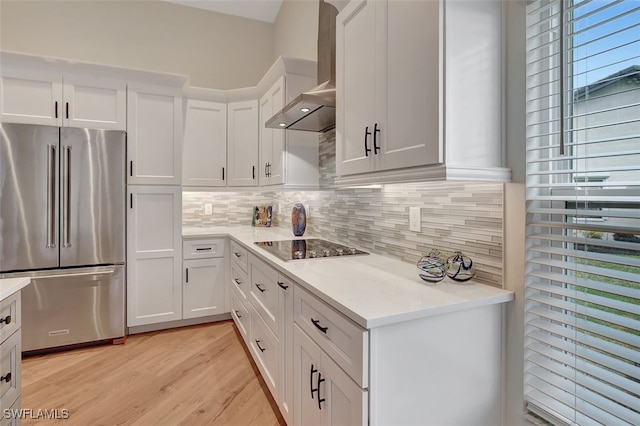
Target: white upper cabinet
242,139
205,144
418,97
155,132
272,144
288,158
72,100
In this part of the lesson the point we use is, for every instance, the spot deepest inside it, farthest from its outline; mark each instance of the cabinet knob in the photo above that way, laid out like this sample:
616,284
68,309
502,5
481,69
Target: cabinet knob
6,320
6,378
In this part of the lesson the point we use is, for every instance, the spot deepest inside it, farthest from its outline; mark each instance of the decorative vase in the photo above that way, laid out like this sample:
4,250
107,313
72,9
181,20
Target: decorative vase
298,219
432,267
460,267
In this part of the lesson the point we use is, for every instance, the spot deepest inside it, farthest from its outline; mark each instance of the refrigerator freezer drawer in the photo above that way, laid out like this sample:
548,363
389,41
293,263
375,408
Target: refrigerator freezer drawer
77,306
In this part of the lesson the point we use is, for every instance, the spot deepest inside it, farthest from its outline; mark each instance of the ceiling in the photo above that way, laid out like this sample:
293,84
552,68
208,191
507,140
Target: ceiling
261,10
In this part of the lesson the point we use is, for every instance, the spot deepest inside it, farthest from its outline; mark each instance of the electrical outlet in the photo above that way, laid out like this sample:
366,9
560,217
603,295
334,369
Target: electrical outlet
208,208
415,219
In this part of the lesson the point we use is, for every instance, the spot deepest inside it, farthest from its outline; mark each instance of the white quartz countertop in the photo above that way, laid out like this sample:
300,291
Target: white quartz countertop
8,286
372,290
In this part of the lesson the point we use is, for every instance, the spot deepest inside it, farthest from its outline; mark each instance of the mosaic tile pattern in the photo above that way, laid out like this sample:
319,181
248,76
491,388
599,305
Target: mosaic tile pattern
455,216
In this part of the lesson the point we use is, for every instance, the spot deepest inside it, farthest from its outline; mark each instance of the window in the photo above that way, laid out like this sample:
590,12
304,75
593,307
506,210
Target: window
582,324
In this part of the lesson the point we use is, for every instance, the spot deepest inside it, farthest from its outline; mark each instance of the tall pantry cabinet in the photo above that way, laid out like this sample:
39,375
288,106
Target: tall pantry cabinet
154,208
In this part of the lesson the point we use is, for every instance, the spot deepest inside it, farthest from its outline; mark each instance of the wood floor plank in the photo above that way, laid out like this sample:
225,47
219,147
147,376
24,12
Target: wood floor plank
199,375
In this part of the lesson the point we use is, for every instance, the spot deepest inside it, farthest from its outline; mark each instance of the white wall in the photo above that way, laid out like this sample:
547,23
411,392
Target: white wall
296,29
217,51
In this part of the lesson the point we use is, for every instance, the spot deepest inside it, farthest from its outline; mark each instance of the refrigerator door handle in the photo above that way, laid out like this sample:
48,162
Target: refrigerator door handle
51,196
79,274
66,197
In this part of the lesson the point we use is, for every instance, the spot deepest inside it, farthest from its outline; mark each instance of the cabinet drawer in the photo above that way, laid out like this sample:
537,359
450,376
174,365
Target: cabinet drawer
202,248
240,315
265,294
265,349
10,315
345,342
10,356
239,280
239,255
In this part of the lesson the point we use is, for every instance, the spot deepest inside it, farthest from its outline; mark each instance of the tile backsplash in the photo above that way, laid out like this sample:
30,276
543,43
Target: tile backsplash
455,216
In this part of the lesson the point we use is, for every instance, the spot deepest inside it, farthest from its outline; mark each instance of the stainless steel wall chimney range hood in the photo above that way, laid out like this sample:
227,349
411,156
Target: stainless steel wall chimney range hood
315,109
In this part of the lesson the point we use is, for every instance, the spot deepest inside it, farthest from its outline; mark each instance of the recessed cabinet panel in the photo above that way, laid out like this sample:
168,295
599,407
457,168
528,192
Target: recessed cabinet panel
411,121
30,97
154,289
10,357
205,144
154,143
356,53
155,229
94,103
154,254
203,291
242,128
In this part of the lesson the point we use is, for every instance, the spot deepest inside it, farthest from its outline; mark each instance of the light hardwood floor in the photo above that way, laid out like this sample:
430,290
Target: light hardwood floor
199,375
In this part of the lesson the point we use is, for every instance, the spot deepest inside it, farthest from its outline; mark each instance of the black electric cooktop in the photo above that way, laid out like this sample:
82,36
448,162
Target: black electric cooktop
312,248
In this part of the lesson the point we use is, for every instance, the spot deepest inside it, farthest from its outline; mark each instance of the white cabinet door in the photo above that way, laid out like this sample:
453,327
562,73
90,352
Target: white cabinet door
31,97
324,394
272,141
155,131
49,98
356,53
91,102
205,144
242,142
388,71
203,289
154,254
408,84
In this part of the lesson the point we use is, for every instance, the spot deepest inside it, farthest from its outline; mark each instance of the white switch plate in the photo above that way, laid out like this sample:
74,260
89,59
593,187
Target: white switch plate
415,219
208,208
308,210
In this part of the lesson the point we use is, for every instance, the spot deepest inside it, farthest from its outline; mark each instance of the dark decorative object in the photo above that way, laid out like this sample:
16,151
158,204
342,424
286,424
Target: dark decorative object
298,219
460,267
432,267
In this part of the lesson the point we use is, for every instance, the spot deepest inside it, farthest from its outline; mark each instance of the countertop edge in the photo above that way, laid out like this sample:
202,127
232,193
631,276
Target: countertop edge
502,297
9,286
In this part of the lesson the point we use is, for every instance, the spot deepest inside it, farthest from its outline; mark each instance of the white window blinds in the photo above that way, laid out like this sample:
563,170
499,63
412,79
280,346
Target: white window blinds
582,355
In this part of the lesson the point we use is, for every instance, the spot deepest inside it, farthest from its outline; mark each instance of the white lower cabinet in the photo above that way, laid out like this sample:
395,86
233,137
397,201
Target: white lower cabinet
324,393
154,254
323,368
203,291
10,357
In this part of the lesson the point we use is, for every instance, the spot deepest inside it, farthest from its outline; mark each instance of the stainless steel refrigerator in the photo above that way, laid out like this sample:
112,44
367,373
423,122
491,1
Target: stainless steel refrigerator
62,222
